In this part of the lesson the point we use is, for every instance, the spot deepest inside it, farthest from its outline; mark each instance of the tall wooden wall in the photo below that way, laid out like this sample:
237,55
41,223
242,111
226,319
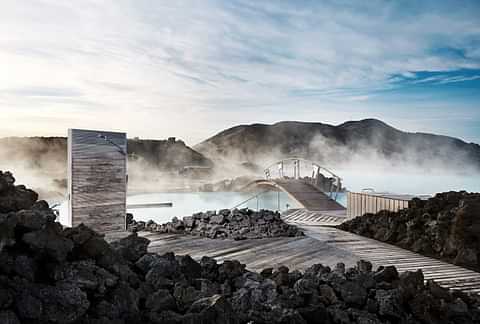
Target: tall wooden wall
362,203
97,184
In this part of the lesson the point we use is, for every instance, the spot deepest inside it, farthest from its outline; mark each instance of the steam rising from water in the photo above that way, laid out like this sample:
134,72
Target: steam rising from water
412,171
418,169
38,163
41,164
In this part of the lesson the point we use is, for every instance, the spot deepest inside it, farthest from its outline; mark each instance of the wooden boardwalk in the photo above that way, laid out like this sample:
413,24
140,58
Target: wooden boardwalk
302,217
379,253
322,244
294,252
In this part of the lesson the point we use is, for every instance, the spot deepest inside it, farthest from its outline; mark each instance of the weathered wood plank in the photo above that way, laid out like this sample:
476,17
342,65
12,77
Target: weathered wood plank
294,252
309,196
321,245
97,179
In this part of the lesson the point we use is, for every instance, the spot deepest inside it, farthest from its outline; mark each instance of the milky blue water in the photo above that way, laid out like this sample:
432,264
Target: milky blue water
185,204
413,182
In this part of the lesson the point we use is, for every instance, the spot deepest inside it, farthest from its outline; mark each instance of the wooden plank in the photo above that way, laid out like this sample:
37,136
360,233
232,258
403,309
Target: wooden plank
317,247
308,195
257,254
361,203
379,253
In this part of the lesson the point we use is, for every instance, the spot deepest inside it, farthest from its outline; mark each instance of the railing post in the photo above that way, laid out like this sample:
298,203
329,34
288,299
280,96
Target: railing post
278,200
296,169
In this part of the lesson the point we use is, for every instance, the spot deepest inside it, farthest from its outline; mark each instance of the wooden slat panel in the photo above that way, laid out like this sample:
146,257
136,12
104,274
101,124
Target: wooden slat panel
361,203
97,179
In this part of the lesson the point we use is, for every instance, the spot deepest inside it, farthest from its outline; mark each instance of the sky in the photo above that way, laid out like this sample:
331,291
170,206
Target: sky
190,69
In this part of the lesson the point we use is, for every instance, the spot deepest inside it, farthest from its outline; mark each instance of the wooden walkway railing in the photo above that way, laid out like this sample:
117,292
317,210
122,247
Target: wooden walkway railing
359,204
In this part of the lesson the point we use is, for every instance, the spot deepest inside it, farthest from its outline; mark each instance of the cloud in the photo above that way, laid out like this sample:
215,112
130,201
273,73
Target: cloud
443,79
43,92
460,78
149,67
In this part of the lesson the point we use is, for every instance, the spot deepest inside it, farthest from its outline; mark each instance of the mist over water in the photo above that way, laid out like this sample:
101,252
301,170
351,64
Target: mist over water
40,164
397,163
414,182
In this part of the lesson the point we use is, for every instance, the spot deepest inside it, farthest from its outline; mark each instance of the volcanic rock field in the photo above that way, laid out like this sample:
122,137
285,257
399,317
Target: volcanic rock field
51,274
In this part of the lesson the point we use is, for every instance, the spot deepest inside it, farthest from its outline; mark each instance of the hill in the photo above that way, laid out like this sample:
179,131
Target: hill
364,140
42,161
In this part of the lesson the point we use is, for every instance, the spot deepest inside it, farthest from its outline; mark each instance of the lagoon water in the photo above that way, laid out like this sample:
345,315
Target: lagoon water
414,182
401,182
187,203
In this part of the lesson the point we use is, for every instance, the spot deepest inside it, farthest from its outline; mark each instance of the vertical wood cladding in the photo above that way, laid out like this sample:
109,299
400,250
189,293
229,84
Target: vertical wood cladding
97,179
362,203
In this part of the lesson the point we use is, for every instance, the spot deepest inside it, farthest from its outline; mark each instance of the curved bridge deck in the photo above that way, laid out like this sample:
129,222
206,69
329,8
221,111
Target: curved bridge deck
305,194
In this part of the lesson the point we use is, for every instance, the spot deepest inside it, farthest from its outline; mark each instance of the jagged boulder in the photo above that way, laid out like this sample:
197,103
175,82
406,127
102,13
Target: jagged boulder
14,198
132,247
8,317
49,241
238,224
215,309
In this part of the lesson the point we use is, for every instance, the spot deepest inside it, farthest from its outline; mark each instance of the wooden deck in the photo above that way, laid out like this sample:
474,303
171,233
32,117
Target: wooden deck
295,252
326,245
303,217
379,253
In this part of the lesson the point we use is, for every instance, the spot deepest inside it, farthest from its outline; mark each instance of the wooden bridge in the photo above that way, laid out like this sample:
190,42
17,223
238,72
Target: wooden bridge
316,192
307,195
316,189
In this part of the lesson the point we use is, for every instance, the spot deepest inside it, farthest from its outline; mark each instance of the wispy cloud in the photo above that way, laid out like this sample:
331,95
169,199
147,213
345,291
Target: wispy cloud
459,79
175,59
444,79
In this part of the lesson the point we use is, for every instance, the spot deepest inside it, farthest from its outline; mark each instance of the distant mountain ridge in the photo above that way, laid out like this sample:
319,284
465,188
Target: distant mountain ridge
168,154
335,144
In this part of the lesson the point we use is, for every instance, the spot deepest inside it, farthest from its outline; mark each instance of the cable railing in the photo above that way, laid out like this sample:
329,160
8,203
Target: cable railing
256,196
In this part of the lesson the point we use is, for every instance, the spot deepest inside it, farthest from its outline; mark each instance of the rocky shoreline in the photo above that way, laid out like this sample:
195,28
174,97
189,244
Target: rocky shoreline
446,227
50,274
237,224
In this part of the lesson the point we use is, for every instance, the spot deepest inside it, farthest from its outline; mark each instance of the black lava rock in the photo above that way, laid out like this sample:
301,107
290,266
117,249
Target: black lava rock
49,274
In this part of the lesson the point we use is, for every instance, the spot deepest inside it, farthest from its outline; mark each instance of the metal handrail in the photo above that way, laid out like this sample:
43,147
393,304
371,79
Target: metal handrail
305,160
335,184
247,200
